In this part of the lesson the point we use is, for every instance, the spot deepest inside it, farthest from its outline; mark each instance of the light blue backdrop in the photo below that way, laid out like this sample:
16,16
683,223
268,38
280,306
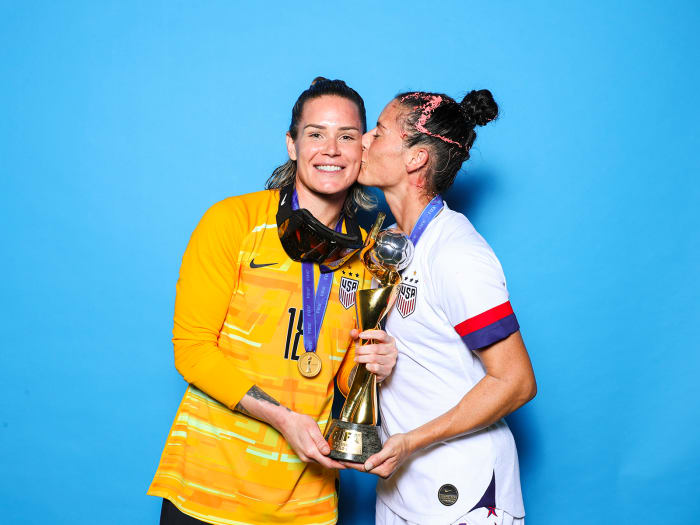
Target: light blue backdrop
121,122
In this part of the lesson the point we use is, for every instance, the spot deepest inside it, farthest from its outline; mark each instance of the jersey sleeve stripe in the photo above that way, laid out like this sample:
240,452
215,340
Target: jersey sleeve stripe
484,319
492,333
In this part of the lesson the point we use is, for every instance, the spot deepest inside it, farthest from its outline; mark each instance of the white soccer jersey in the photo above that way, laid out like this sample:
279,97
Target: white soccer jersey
453,299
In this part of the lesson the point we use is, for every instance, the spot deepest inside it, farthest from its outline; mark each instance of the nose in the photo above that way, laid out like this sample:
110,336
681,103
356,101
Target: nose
332,148
367,139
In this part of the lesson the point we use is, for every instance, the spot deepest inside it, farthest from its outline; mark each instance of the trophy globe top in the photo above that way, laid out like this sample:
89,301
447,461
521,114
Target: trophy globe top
391,253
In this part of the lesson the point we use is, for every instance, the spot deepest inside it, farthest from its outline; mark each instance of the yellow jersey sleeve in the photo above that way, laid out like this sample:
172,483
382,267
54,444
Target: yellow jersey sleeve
208,277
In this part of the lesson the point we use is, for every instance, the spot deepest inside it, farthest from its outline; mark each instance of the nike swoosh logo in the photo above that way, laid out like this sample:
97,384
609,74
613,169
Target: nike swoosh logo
253,264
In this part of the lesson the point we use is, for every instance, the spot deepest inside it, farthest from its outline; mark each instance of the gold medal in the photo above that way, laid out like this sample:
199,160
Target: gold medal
309,364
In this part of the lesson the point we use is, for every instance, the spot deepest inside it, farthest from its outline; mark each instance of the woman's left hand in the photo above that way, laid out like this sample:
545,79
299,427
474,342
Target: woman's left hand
379,355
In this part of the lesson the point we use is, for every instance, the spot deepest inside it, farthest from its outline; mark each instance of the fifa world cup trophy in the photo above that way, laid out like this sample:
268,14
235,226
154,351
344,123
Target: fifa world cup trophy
354,436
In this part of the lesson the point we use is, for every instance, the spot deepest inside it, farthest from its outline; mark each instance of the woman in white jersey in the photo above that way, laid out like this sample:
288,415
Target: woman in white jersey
448,455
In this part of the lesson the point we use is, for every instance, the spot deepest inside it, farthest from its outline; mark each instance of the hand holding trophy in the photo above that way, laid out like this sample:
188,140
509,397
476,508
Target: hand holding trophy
355,437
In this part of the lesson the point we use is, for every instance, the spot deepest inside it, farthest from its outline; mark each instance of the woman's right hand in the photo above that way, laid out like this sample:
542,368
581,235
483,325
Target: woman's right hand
304,436
300,431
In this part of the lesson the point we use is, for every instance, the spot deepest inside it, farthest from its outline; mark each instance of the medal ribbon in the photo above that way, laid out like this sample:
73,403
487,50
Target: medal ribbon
314,305
427,215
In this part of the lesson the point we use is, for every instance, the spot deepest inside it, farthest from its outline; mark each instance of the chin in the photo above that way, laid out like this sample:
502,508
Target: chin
332,189
366,181
367,177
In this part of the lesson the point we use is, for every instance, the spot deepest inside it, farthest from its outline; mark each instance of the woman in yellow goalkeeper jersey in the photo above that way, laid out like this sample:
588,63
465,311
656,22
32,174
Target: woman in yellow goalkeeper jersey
247,442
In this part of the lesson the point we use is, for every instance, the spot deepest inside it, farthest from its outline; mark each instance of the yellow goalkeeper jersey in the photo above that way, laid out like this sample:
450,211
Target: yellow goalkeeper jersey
238,322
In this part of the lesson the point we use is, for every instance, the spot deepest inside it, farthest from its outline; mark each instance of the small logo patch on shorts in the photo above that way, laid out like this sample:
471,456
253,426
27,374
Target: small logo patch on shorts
447,494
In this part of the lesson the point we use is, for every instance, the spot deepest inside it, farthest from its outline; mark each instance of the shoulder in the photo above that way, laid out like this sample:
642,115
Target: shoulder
463,271
243,212
260,199
456,244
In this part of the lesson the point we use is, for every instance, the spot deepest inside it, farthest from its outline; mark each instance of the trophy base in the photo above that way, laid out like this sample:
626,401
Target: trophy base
352,442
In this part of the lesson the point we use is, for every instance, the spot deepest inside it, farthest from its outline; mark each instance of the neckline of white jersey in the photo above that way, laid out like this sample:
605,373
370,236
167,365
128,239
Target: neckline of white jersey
438,214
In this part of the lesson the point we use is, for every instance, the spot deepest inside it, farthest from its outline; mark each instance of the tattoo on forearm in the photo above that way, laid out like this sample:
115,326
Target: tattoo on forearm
256,393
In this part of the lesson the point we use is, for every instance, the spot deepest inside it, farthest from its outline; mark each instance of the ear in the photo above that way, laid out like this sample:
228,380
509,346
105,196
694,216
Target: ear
416,159
291,148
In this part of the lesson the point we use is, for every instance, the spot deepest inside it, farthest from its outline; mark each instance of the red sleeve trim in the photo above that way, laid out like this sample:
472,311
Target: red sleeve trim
484,319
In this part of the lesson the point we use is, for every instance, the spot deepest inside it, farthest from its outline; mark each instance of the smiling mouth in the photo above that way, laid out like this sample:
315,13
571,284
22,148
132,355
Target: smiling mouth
328,167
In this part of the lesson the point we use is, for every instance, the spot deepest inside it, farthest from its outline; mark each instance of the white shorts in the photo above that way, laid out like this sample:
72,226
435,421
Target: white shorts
481,516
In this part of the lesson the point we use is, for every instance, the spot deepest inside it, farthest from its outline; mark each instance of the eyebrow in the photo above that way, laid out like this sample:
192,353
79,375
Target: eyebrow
344,128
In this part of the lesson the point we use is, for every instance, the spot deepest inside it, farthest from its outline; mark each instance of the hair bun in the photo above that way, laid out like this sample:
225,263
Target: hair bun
318,79
479,108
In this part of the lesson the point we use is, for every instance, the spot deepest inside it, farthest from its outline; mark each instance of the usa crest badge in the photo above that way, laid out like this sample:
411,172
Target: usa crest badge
406,301
348,288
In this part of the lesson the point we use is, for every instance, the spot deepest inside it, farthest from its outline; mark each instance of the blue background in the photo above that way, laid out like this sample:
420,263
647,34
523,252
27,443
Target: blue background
121,122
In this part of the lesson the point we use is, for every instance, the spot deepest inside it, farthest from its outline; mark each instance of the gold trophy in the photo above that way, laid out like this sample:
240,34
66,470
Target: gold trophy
355,437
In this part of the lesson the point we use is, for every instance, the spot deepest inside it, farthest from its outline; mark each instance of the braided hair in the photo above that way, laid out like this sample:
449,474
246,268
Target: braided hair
447,127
